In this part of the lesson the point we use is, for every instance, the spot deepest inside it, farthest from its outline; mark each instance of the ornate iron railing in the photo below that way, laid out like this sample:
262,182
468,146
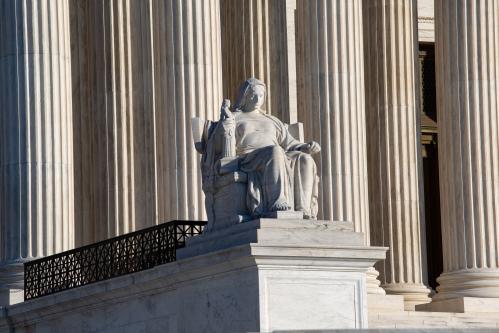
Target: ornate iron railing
113,257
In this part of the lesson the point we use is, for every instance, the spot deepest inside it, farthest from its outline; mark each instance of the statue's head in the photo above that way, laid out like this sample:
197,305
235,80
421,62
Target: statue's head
251,95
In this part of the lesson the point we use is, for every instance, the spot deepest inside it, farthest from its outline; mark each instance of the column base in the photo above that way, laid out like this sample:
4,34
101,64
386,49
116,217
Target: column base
481,283
373,284
462,305
413,294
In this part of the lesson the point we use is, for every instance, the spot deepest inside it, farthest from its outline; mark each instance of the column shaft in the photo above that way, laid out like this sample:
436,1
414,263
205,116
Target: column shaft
258,40
393,144
467,62
114,114
36,151
188,84
331,104
146,68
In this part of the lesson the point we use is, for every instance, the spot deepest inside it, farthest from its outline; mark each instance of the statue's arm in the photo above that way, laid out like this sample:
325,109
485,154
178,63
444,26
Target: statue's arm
289,143
310,148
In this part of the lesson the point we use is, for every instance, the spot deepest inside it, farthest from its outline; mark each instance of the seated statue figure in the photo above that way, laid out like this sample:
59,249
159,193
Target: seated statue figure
252,165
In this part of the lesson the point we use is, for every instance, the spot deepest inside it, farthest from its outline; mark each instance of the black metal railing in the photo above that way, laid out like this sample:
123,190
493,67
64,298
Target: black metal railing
113,257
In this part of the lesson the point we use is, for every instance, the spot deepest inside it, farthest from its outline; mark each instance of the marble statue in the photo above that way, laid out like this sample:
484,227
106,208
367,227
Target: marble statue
251,164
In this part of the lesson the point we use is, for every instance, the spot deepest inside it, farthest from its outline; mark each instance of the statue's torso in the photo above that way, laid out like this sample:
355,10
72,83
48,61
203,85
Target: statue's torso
254,131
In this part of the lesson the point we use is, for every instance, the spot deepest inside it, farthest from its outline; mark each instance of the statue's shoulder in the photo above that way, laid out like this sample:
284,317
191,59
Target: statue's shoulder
274,118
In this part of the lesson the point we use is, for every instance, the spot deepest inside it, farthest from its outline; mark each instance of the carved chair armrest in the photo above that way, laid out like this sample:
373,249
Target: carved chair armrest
296,130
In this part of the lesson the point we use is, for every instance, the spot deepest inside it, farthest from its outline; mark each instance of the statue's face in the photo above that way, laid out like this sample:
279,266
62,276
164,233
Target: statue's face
256,98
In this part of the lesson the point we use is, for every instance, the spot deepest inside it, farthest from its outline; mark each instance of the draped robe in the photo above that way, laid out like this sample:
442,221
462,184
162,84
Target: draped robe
278,173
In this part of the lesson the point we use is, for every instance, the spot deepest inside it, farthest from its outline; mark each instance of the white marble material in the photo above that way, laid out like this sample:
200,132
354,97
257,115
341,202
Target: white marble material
384,303
142,70
468,118
438,322
463,305
36,135
331,105
393,145
187,67
259,286
11,282
283,232
114,117
258,40
426,21
251,164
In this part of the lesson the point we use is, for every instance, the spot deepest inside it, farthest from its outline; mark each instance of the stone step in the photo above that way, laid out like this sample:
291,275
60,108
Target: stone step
416,319
414,330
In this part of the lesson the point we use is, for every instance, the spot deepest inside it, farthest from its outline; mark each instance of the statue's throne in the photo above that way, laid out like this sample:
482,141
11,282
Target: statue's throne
226,187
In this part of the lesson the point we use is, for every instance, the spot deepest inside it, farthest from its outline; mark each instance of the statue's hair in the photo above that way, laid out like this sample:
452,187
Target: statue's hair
243,90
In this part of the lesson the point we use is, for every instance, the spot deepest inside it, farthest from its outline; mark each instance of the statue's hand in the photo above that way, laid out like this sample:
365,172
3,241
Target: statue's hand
225,112
310,148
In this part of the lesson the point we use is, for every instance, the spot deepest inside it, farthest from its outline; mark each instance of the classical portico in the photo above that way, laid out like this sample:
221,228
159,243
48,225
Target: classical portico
96,99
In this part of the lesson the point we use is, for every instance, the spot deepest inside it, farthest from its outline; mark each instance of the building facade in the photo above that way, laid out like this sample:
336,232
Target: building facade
96,99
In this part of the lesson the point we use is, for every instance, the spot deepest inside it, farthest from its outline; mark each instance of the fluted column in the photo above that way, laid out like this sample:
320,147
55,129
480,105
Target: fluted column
393,145
258,40
36,161
114,114
188,83
467,63
145,68
331,104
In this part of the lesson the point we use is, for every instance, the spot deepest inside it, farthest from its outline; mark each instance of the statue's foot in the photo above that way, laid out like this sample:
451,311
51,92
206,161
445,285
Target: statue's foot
280,206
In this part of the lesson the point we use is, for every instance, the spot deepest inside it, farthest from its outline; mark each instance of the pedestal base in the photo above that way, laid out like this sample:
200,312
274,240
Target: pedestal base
11,296
11,283
307,274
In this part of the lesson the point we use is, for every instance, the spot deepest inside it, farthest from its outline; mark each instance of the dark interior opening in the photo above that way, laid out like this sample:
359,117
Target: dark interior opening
429,146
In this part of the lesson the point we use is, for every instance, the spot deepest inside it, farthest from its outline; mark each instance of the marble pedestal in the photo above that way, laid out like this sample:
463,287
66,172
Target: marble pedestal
11,283
303,274
259,276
